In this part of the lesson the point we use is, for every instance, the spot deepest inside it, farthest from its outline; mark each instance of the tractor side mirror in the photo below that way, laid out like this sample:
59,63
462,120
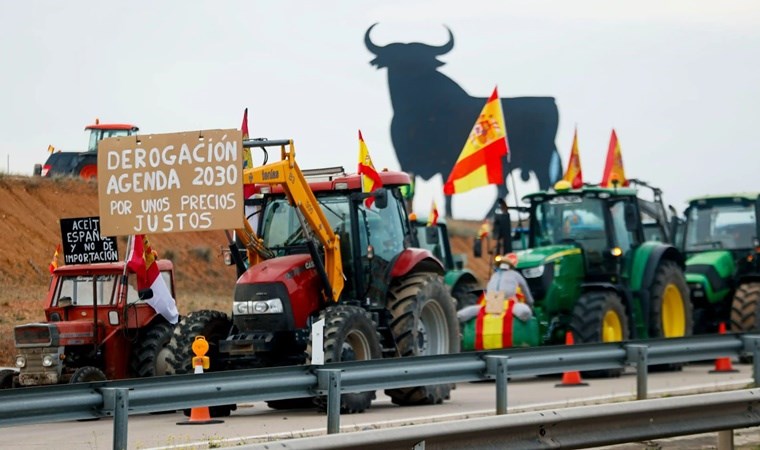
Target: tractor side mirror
631,219
145,294
431,236
477,248
381,198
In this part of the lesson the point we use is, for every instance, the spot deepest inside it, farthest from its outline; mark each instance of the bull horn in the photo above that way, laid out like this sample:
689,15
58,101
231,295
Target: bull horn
445,48
375,49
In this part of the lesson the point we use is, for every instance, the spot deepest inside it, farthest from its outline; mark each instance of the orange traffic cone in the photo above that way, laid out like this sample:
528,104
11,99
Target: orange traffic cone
200,415
723,365
570,378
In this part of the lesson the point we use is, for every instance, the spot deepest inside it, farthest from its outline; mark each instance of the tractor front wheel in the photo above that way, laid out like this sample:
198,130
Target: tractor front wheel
6,378
424,322
671,312
349,335
600,316
87,374
214,326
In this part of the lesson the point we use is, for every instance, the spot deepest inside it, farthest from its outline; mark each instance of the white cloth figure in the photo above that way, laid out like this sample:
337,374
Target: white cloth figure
506,279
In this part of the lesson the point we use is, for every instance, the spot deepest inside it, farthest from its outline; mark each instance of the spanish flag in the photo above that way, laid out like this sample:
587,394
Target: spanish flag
142,261
370,178
480,162
614,175
574,174
54,262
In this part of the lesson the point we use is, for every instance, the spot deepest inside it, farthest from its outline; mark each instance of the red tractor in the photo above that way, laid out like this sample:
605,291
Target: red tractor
322,251
83,164
97,327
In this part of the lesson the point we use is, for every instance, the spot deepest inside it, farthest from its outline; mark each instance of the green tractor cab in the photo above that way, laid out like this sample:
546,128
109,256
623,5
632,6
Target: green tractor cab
720,241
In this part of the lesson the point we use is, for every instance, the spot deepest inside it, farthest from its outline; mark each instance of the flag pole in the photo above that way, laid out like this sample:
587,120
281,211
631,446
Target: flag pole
123,284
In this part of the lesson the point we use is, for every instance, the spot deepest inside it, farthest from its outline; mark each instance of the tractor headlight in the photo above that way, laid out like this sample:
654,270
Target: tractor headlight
48,361
21,361
533,272
271,306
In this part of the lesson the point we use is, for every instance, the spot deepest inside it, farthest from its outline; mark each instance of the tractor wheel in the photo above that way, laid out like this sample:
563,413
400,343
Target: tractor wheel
292,403
6,378
150,354
212,325
87,374
671,313
349,335
423,322
744,309
464,294
89,172
600,316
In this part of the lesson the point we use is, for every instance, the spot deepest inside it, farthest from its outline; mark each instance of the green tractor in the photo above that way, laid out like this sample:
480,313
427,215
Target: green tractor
600,264
464,285
720,241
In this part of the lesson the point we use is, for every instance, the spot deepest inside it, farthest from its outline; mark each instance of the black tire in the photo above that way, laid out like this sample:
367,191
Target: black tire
150,354
424,322
292,403
87,374
212,325
669,284
6,378
464,294
597,312
349,335
744,309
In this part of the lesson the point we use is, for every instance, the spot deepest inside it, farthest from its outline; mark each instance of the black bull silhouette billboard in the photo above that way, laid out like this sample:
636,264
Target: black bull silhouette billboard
433,116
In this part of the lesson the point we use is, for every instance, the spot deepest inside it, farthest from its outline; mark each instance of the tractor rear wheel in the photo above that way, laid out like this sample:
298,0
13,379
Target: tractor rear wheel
744,308
6,378
349,335
424,322
213,326
671,312
599,316
150,353
89,172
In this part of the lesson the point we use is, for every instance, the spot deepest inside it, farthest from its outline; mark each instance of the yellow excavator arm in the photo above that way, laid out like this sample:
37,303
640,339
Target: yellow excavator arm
287,174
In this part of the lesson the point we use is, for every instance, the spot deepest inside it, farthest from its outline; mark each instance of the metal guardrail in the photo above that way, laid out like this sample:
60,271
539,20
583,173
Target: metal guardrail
121,398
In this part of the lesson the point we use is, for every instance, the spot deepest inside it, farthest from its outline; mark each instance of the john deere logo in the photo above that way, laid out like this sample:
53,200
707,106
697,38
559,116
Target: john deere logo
270,174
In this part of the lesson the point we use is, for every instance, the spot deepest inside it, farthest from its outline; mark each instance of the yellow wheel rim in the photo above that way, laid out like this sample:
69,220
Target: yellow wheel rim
612,328
673,317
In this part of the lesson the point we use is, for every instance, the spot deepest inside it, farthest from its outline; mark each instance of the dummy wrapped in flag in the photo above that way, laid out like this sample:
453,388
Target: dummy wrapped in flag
142,261
492,330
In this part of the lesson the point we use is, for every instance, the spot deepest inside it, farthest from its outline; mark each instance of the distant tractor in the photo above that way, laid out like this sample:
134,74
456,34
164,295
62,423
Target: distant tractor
720,241
97,328
83,164
464,285
324,251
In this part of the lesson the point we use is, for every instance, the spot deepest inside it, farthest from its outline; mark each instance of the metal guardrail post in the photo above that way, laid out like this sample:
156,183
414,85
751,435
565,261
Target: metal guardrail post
496,367
726,440
638,354
329,380
752,345
116,401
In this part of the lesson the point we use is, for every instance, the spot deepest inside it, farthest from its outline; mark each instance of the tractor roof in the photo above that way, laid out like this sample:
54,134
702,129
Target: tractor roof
724,198
111,126
103,268
596,190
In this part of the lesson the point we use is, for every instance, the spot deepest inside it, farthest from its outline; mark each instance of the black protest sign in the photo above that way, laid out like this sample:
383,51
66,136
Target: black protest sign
83,244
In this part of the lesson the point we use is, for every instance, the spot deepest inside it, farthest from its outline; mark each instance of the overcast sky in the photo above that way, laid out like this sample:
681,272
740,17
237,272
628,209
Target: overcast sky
678,80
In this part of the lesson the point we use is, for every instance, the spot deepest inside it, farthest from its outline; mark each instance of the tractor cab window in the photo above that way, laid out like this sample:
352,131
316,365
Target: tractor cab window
570,218
624,238
729,226
97,135
431,238
85,290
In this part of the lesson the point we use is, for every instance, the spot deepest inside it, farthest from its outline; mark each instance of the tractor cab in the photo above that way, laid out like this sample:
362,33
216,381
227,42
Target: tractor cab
99,131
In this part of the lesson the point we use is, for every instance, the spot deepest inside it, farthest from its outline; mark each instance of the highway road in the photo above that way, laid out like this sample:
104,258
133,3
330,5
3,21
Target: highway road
256,422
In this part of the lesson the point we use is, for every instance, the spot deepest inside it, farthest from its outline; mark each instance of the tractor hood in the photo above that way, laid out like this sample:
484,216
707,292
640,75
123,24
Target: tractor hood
534,257
709,275
77,332
719,261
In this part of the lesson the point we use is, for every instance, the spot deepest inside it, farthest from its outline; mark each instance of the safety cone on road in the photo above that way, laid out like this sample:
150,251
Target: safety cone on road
200,415
723,365
570,378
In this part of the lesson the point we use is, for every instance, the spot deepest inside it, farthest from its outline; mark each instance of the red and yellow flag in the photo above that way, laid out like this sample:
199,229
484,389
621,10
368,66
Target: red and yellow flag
54,263
370,178
613,169
480,162
574,174
433,216
247,160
